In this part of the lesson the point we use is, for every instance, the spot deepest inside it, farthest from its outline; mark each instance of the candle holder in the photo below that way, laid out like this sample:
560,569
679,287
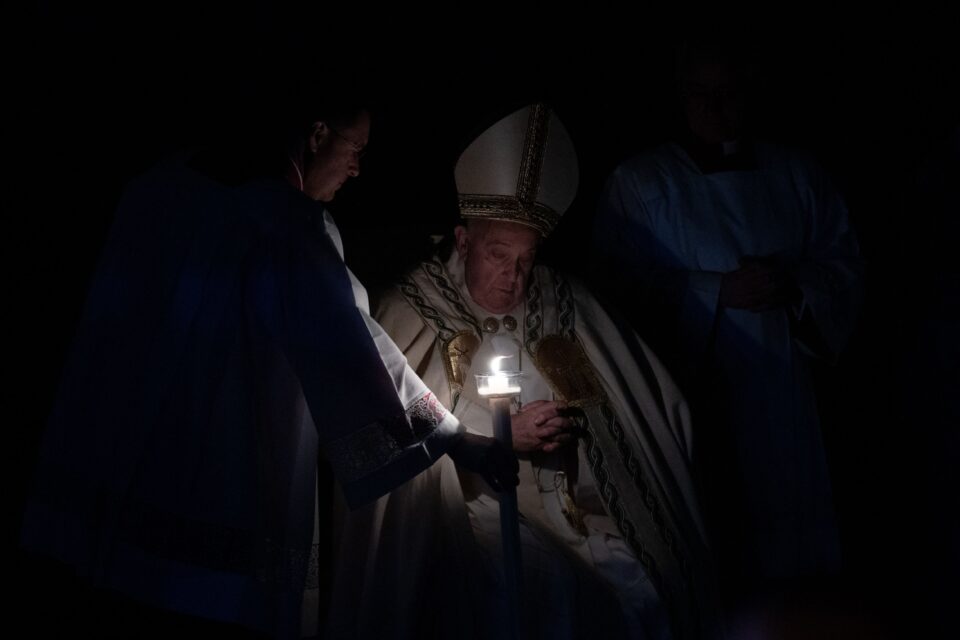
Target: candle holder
498,384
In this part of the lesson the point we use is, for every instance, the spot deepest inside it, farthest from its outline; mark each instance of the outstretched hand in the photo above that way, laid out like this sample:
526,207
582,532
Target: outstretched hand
489,458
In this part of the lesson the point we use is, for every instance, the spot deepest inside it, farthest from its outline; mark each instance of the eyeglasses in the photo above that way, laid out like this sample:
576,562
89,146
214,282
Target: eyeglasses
358,148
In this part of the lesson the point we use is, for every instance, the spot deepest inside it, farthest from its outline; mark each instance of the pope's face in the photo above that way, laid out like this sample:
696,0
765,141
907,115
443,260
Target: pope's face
498,257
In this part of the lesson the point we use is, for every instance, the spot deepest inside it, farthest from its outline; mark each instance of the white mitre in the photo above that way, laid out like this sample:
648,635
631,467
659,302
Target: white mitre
522,169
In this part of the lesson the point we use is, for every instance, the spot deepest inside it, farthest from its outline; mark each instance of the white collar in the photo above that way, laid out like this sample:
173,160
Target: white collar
331,228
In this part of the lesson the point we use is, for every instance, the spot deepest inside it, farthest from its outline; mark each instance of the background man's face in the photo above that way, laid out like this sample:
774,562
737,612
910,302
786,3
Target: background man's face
713,102
498,258
337,158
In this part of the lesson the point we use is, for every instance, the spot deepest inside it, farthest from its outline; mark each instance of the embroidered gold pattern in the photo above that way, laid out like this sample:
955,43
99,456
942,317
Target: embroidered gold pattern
568,507
534,145
509,209
568,371
458,354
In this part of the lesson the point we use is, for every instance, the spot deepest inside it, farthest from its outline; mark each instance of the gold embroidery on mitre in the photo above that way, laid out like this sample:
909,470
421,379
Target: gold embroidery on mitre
458,354
509,209
565,367
534,147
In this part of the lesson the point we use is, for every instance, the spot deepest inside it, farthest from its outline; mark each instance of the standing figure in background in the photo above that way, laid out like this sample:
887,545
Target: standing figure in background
739,258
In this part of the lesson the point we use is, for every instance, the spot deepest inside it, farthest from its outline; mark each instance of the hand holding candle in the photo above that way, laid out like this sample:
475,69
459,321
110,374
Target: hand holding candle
487,457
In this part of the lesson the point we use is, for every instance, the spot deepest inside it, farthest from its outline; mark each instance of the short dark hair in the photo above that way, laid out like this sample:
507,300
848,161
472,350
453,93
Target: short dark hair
273,131
699,48
338,104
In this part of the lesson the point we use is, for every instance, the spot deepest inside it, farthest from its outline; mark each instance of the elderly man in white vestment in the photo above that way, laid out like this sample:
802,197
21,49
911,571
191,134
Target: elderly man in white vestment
612,542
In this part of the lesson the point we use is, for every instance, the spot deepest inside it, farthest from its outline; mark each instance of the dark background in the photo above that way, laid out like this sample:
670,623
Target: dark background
95,98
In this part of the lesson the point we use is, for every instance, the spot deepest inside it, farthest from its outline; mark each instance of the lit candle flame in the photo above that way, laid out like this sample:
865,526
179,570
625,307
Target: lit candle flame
497,382
495,363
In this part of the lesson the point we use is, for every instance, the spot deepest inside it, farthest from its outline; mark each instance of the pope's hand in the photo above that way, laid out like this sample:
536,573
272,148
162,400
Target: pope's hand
541,426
